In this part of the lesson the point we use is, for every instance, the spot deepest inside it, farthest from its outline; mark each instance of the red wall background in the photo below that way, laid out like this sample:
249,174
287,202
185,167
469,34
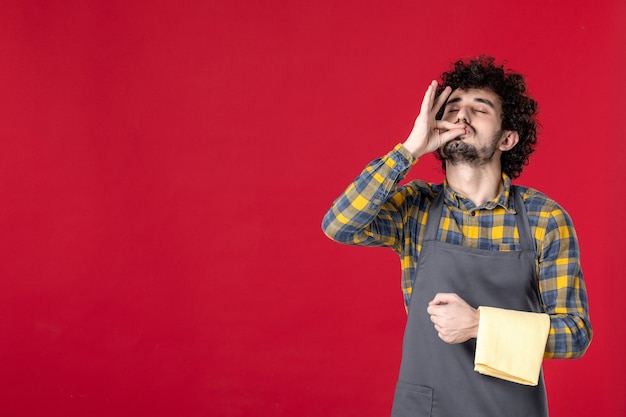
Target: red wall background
164,168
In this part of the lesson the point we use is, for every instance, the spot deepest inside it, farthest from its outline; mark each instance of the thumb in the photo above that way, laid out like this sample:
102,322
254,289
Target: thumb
443,298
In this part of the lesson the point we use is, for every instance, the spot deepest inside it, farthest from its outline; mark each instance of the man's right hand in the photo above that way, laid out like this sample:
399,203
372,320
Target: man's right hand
429,134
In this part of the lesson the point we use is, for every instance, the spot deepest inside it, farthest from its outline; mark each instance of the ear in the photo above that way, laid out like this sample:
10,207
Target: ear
508,141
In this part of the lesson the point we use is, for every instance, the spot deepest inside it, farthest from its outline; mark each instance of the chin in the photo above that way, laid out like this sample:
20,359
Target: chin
453,145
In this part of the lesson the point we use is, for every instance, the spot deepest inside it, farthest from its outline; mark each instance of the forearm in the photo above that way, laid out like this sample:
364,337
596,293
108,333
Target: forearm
569,337
358,215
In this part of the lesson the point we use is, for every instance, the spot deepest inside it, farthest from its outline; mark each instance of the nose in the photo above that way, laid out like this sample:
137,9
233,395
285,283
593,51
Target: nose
462,115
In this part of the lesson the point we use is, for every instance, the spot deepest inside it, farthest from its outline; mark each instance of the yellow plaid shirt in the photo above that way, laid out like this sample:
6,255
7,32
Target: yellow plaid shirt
375,211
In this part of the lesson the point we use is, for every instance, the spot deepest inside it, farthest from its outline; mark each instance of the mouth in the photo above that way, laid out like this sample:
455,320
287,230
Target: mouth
468,131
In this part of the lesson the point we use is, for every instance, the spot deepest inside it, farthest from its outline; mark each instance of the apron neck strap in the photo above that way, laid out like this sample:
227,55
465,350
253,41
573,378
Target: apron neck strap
521,218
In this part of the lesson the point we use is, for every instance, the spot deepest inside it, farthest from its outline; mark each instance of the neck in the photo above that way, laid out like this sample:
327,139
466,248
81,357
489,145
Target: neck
478,184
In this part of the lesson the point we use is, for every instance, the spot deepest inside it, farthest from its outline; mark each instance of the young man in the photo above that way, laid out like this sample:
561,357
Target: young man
491,272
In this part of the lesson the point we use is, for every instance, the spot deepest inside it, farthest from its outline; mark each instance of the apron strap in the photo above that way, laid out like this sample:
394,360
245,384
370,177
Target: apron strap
521,219
434,216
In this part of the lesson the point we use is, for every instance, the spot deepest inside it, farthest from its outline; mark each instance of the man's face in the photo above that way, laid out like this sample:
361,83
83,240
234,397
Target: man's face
481,111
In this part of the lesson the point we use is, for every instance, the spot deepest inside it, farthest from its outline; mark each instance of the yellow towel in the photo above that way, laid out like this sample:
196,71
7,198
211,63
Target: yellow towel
510,344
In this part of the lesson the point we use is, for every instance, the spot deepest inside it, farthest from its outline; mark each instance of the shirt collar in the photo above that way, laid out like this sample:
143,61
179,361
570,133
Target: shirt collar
504,199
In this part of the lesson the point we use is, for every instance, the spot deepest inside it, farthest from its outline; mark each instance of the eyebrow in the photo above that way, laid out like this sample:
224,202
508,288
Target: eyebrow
477,99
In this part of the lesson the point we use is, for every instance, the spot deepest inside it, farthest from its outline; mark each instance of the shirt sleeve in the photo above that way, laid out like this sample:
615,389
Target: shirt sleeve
366,213
563,288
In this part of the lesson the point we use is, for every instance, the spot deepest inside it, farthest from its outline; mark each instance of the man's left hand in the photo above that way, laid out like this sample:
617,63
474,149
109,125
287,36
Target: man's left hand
454,319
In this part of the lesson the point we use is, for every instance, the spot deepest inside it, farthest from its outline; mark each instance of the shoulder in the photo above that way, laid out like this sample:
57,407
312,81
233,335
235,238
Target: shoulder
538,202
545,211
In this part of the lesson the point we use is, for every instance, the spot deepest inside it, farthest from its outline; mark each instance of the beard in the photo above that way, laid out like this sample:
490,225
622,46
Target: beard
459,152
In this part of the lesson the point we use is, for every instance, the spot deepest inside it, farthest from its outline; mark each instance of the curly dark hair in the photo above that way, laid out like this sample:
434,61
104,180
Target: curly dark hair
519,110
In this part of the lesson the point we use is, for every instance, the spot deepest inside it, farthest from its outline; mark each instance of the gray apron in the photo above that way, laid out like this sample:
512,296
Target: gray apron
437,379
